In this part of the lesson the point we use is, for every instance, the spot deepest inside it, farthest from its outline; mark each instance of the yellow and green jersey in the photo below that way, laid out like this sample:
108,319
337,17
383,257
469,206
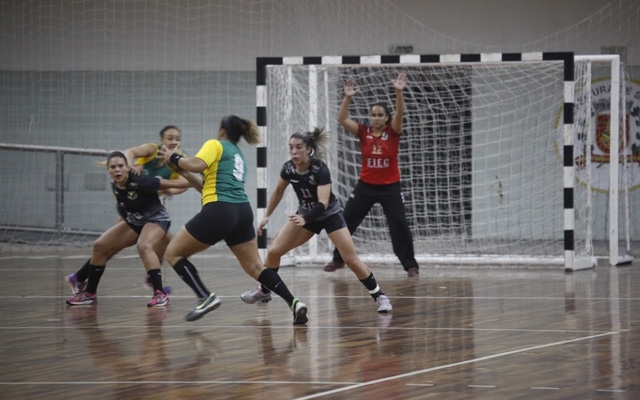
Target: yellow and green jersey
151,165
223,179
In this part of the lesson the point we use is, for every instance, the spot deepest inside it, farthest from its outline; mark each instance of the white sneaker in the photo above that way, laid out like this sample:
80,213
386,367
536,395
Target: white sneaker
384,305
256,295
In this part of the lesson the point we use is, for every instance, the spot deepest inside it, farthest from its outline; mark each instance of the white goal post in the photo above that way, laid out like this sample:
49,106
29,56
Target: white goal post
616,122
482,178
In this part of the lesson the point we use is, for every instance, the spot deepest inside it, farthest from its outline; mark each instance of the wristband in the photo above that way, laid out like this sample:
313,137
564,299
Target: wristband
314,213
175,157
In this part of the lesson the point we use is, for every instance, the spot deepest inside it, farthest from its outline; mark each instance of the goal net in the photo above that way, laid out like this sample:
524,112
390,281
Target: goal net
481,156
81,78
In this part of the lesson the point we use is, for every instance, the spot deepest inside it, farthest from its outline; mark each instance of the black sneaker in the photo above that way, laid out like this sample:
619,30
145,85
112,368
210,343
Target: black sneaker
209,304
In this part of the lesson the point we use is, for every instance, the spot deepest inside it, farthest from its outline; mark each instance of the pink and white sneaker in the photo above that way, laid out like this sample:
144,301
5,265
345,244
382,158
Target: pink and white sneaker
159,300
83,299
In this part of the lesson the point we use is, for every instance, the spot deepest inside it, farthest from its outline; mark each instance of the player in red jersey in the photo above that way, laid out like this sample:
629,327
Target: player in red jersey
379,176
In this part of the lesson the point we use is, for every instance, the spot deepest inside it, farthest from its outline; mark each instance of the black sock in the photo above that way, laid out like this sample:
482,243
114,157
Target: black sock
189,274
83,273
264,288
372,286
270,279
155,275
95,273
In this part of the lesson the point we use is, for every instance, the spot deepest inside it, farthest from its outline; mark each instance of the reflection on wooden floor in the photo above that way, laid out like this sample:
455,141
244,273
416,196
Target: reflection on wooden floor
454,333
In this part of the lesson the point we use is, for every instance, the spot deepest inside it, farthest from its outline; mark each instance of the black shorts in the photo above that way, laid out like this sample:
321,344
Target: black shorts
165,225
332,223
219,220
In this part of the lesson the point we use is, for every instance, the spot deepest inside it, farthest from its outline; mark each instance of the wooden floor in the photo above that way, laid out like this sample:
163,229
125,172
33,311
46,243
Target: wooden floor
454,333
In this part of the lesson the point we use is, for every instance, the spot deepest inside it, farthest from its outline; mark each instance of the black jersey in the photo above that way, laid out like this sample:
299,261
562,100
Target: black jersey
139,203
306,187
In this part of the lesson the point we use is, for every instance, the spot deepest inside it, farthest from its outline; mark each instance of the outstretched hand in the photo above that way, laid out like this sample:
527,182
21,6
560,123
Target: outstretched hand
401,82
349,88
165,153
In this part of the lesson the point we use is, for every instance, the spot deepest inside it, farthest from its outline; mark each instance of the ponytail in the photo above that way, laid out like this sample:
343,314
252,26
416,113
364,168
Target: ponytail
237,127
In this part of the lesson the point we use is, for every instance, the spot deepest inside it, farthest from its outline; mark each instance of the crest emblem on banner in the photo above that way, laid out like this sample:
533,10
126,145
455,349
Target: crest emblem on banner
597,124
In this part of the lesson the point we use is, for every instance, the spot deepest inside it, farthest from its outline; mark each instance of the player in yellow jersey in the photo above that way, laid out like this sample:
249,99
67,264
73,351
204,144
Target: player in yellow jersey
144,158
225,215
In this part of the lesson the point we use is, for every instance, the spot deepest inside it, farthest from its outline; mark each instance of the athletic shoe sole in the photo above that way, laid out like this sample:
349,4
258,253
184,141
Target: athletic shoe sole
197,314
300,317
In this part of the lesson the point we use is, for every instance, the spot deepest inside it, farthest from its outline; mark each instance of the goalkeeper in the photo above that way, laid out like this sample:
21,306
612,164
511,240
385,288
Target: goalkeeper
379,176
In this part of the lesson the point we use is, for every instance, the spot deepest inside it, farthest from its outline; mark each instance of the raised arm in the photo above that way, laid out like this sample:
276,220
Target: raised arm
274,200
343,114
144,150
399,84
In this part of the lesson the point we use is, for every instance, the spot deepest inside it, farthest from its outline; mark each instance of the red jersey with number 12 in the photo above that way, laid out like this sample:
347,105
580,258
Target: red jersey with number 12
379,155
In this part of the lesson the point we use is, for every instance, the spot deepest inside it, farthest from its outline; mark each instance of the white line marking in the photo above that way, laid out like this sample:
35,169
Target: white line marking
176,382
420,384
84,256
408,374
276,327
544,388
584,299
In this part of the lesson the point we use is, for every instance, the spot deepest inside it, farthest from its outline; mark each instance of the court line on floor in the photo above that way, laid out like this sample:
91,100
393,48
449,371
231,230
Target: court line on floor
399,297
85,256
350,385
42,383
288,327
474,360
